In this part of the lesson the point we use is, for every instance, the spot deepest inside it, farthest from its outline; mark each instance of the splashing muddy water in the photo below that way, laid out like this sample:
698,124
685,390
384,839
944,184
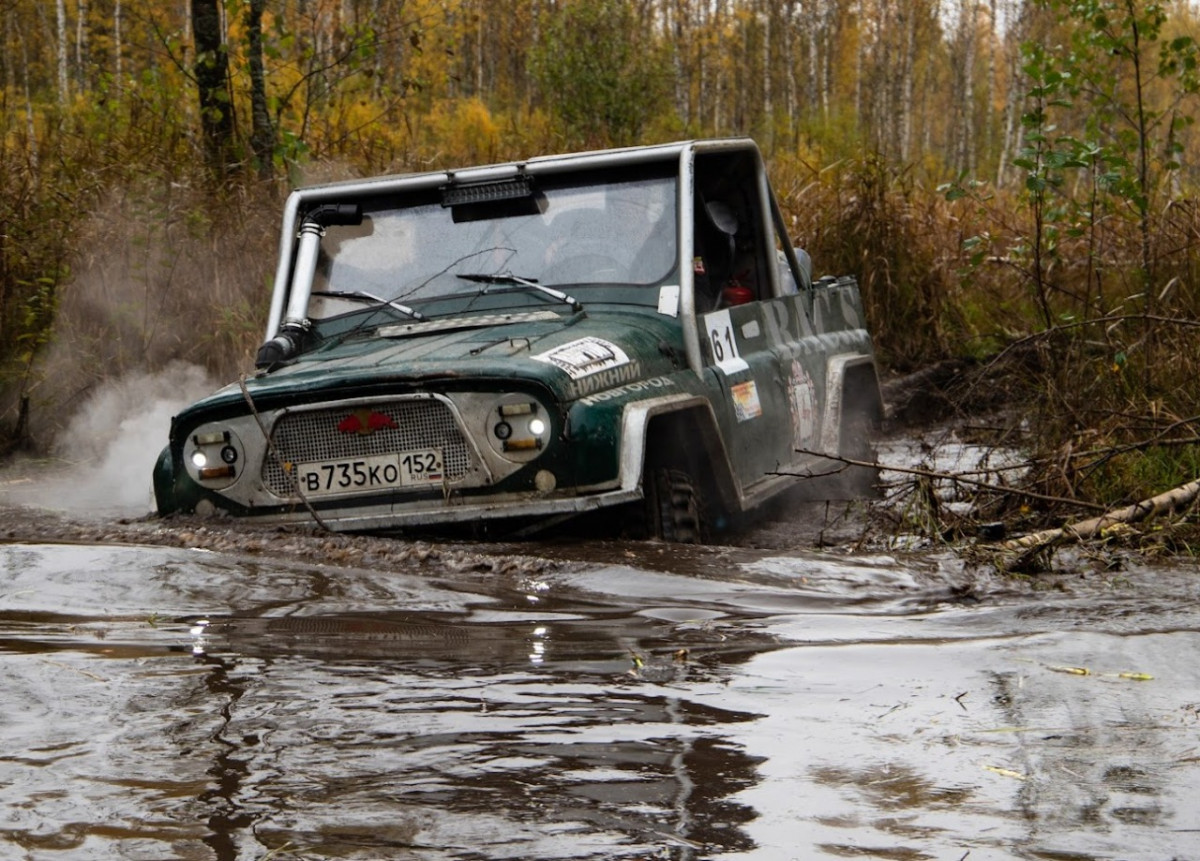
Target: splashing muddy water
591,700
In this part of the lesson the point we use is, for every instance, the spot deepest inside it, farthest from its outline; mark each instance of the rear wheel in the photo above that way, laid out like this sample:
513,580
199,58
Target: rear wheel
838,480
859,426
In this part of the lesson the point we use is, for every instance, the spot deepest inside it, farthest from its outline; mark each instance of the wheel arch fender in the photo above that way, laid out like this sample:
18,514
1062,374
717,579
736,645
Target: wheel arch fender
852,388
681,429
163,483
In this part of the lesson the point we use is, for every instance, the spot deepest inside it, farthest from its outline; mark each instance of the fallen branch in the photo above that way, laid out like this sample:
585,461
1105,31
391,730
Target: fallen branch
1109,320
944,476
1165,503
1103,455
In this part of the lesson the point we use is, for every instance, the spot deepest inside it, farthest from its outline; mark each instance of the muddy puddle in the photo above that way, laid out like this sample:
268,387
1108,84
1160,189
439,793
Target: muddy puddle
592,701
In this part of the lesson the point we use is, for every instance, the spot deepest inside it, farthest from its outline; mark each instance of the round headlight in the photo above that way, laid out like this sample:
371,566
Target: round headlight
212,456
518,428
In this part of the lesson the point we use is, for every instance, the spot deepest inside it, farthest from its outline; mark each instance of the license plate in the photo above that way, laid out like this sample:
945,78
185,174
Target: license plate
365,474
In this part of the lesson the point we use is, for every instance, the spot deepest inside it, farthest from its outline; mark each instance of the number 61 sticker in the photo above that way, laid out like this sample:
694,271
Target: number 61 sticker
721,341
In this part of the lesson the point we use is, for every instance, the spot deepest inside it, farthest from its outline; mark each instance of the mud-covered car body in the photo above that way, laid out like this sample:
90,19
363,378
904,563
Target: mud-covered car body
531,341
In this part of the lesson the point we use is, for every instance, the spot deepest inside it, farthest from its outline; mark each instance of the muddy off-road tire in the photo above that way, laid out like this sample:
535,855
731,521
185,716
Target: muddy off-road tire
673,510
858,430
840,481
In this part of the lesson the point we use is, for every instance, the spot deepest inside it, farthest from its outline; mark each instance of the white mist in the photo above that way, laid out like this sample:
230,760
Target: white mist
107,452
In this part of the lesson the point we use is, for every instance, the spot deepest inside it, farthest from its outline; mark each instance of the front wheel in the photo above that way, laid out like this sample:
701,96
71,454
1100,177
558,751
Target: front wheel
673,510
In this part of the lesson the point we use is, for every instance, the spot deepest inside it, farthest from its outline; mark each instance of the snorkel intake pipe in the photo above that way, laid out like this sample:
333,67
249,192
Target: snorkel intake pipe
287,343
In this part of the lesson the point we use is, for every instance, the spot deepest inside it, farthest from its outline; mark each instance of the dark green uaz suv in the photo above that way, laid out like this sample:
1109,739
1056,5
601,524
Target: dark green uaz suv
520,344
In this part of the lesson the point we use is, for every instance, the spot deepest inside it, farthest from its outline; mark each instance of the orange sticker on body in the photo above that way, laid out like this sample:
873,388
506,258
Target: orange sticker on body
745,401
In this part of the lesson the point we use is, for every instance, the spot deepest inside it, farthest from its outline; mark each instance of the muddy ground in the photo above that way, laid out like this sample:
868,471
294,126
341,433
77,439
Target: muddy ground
41,501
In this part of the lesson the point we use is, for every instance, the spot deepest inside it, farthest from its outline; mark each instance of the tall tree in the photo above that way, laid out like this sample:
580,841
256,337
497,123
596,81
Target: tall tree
118,46
262,135
1017,17
212,83
82,34
64,92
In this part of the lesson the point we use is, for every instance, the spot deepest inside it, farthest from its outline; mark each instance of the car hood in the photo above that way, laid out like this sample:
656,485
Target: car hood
571,356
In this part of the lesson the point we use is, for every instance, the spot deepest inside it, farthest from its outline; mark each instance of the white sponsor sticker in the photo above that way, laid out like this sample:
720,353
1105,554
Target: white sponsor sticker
584,357
668,300
722,342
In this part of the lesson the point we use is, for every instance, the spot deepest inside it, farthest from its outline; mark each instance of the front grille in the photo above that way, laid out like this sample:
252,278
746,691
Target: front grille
314,436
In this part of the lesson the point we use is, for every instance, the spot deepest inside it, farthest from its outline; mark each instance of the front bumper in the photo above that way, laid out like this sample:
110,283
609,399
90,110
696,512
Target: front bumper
496,507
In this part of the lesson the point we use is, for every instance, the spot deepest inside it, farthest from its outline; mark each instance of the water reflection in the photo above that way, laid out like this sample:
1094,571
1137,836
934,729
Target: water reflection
505,740
166,704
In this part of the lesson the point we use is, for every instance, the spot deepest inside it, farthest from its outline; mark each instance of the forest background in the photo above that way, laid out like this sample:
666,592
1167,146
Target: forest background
1012,181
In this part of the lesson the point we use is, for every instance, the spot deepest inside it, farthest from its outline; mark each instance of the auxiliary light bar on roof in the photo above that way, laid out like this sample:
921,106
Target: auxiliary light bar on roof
515,188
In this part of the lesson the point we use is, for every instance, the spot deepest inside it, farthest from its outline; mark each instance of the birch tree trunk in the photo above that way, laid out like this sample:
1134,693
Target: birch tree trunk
879,77
718,96
64,91
906,96
1017,16
82,48
676,25
703,67
376,51
1172,500
831,27
30,124
480,62
764,16
118,50
788,48
989,119
859,65
812,87
966,137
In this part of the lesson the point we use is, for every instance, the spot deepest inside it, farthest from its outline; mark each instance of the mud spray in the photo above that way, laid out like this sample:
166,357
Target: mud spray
166,279
104,457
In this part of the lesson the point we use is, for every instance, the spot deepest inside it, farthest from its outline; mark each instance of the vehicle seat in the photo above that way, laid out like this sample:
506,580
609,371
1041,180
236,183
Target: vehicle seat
714,251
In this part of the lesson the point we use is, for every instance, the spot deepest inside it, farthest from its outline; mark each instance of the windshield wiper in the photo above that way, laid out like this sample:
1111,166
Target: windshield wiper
370,297
516,283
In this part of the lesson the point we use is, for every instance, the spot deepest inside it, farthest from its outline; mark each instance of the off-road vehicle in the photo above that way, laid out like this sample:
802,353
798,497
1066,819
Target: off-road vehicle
519,344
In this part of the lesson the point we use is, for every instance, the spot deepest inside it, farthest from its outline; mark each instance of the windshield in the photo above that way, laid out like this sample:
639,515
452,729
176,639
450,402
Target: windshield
609,232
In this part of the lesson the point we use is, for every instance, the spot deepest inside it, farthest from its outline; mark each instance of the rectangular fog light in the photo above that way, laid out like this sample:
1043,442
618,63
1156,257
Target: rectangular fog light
209,472
214,438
